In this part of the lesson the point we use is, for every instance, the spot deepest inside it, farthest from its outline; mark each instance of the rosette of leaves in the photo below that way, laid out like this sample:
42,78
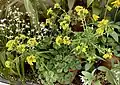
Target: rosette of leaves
58,65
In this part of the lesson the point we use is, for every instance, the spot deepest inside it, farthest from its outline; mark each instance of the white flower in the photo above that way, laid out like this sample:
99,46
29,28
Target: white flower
32,30
11,31
3,20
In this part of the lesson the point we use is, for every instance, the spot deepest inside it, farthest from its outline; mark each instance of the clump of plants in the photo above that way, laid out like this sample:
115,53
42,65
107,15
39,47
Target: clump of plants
56,49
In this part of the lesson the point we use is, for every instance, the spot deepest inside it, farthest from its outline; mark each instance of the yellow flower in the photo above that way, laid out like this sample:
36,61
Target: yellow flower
77,8
85,11
91,59
100,31
109,8
30,59
81,10
32,42
64,25
7,64
66,40
103,23
10,45
22,36
49,11
116,3
67,17
59,40
84,49
57,5
77,48
95,17
107,56
21,48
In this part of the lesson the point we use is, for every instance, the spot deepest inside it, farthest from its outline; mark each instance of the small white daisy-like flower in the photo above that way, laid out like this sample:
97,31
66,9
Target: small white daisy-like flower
3,20
37,32
17,30
32,30
11,31
10,37
27,26
17,9
17,25
28,32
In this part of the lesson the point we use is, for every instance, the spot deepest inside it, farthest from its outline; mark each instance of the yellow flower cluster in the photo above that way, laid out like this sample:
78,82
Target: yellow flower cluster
77,48
10,45
64,40
49,11
30,59
107,56
32,42
116,3
101,26
100,31
82,12
59,40
21,48
57,5
67,17
64,25
95,17
82,47
103,23
91,59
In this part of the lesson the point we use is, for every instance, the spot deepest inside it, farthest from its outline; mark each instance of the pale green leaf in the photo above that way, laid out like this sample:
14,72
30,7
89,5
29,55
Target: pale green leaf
88,75
102,68
71,4
2,58
31,11
18,66
110,78
114,35
89,2
88,66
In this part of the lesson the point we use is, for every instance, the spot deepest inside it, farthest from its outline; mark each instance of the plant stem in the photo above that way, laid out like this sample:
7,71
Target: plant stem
32,69
115,15
106,9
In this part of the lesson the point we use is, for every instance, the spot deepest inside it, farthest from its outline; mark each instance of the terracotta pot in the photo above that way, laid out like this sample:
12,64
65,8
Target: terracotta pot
107,63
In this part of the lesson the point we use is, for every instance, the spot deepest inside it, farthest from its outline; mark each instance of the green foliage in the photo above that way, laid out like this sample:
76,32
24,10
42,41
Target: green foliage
89,78
52,50
113,74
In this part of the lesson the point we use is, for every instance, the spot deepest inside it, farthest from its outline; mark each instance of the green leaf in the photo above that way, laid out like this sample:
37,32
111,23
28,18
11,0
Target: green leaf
2,58
88,66
102,68
71,4
22,66
89,2
96,10
110,77
18,66
114,35
88,75
31,11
